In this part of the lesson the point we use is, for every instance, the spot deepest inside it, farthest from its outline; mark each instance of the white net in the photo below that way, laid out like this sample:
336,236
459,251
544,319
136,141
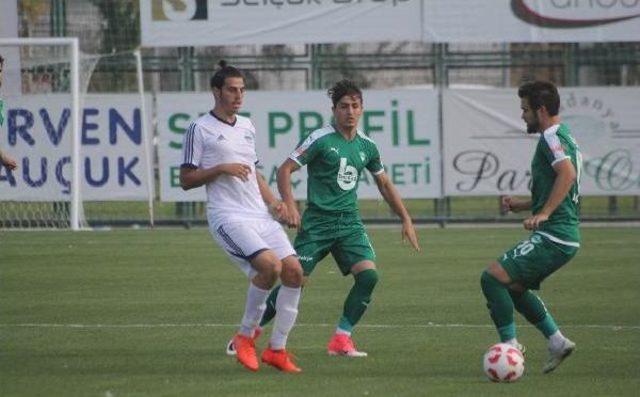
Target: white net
38,133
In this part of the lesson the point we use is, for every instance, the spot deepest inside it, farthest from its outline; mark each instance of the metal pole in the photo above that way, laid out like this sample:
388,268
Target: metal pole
146,138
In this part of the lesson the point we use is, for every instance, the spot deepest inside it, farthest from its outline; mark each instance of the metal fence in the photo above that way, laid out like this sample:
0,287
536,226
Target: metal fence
110,28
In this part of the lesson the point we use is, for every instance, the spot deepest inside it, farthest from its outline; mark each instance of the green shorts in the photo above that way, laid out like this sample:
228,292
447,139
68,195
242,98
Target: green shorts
534,259
342,234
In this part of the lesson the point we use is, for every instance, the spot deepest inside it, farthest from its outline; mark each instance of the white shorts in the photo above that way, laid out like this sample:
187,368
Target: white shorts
243,241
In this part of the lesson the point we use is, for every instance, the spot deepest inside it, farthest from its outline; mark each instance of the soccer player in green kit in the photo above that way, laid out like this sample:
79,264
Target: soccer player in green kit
5,159
555,238
335,156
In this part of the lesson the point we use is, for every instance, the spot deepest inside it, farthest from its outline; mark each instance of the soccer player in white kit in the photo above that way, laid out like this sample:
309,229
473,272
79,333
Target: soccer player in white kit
219,152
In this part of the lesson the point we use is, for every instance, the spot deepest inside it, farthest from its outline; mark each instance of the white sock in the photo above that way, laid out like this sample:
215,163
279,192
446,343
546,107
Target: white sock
253,309
513,342
286,314
556,341
341,331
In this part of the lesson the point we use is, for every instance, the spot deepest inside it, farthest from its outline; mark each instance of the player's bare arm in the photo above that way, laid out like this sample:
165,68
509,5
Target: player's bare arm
195,177
565,177
284,187
514,204
392,197
277,208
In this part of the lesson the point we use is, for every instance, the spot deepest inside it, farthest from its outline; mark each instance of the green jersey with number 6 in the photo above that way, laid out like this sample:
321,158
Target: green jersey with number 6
555,145
334,165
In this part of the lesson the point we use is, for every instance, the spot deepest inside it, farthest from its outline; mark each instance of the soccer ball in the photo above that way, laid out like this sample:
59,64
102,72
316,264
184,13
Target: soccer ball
503,363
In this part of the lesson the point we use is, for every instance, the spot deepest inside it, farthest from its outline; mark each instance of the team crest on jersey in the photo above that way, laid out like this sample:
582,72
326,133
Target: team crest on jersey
248,138
363,156
536,239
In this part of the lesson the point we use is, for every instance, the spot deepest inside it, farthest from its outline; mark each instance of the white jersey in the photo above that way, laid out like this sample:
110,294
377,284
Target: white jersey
210,141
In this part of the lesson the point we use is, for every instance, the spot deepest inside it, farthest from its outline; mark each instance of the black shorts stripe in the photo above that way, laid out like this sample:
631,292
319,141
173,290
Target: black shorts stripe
188,149
227,239
258,252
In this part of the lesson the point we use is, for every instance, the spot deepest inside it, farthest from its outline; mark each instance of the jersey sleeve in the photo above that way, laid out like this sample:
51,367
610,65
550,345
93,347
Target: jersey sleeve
192,147
306,151
552,148
375,163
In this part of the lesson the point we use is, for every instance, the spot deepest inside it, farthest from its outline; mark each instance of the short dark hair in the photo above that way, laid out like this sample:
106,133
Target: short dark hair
1,60
541,93
342,88
225,71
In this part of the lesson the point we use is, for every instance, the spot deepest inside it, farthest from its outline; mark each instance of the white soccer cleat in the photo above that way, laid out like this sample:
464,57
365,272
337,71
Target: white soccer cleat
520,347
231,349
557,356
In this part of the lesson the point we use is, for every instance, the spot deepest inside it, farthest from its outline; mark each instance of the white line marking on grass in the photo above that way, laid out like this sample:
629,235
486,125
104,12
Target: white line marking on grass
311,325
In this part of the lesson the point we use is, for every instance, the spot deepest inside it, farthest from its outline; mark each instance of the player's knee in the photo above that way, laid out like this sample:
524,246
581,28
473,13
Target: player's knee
367,279
487,279
275,271
498,273
291,275
270,273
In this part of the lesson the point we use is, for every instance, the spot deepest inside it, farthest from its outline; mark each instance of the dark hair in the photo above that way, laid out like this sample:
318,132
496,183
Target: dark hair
1,59
541,93
342,88
225,71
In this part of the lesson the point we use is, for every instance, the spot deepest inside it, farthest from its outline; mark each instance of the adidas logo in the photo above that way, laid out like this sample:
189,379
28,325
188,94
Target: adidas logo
221,138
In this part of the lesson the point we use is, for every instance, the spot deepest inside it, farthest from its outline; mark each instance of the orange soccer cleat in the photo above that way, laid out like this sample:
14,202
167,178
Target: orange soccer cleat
280,359
342,345
231,349
246,352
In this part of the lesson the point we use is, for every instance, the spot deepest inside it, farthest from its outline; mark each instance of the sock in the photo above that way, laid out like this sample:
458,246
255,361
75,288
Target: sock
358,299
513,342
500,306
253,309
340,331
532,308
270,312
286,313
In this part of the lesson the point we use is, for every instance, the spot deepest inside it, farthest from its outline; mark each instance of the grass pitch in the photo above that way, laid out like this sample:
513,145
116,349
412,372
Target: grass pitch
148,313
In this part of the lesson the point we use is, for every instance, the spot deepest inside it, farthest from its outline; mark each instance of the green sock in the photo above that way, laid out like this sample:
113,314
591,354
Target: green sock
270,311
547,326
358,299
500,306
532,308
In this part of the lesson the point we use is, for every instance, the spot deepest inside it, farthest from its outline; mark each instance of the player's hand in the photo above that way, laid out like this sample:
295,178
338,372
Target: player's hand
238,170
279,211
505,204
508,203
8,162
409,233
533,222
293,216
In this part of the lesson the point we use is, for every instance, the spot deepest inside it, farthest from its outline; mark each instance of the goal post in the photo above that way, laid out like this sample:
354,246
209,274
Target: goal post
73,48
84,159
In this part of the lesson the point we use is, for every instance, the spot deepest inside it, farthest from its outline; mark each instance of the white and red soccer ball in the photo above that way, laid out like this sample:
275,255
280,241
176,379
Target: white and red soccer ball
503,363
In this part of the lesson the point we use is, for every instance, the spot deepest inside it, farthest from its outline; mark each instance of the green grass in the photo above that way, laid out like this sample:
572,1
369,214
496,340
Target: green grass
460,207
154,310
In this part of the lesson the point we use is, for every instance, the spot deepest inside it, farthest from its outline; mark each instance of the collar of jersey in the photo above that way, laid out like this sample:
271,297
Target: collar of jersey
335,130
551,130
223,121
